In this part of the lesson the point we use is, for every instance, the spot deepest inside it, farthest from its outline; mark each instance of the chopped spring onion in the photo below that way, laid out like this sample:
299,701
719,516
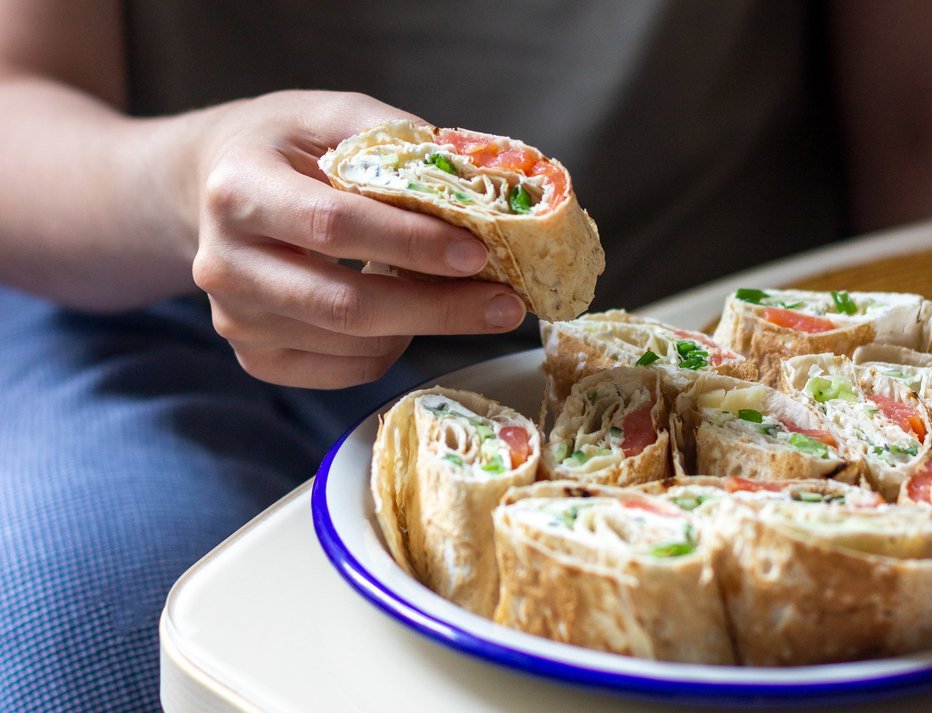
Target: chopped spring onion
750,295
647,358
843,303
691,355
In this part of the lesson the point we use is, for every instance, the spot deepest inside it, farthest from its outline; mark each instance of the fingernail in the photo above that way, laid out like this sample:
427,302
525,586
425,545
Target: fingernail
466,256
504,311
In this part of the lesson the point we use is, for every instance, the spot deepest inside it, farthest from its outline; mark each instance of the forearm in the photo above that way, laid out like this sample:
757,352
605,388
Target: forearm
99,210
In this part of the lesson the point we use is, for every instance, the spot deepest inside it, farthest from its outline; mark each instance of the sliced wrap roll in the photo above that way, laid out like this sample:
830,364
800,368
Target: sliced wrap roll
881,420
700,494
610,569
907,365
612,430
440,463
813,583
517,201
725,426
770,325
602,340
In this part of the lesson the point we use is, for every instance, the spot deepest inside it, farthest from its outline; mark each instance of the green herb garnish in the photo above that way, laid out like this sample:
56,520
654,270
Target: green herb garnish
769,429
495,465
750,295
441,162
689,502
420,187
749,414
647,358
673,549
910,451
519,200
843,303
454,459
691,355
809,445
461,197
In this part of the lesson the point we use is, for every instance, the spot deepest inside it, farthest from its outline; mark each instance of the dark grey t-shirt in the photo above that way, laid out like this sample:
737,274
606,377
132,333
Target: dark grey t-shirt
698,133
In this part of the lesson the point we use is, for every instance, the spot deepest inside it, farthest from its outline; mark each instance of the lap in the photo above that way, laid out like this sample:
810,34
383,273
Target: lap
129,446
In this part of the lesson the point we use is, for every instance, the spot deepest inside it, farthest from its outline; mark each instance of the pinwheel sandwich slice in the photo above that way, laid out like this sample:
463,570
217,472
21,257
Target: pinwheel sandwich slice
519,202
441,461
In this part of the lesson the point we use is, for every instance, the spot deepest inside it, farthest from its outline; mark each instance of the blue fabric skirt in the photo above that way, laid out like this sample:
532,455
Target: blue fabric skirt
130,445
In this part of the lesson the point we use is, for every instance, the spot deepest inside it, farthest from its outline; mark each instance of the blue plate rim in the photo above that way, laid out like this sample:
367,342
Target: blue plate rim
653,688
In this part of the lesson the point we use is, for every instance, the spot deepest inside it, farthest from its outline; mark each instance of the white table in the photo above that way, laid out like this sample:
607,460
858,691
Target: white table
264,623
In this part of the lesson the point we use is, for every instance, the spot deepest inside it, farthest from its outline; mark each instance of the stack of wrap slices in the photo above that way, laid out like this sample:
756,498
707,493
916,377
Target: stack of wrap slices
759,496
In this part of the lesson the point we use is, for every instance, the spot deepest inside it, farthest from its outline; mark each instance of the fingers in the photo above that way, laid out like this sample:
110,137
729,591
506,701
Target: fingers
272,199
295,367
338,299
241,325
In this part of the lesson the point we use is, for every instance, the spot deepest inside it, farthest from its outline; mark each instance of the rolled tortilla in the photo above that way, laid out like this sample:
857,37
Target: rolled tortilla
602,340
612,430
881,420
770,325
610,569
517,201
440,463
814,583
725,426
907,365
699,494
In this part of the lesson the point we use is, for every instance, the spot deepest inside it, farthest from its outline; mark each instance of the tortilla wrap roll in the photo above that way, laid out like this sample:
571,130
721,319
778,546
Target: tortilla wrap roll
441,462
881,420
603,340
724,426
612,430
610,569
699,494
907,365
514,199
814,583
770,325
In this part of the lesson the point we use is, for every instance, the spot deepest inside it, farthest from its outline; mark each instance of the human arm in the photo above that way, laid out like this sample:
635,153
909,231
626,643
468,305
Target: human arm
882,67
105,212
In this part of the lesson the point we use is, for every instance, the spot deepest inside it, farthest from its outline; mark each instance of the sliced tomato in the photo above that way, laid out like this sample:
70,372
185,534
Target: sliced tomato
823,436
478,150
733,484
658,507
554,176
639,431
797,321
519,160
517,440
919,485
903,415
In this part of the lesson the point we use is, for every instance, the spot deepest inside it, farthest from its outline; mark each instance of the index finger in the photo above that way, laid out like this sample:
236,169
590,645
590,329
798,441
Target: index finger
284,204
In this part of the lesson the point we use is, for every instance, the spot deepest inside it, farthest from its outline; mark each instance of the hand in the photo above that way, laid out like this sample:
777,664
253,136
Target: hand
272,230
